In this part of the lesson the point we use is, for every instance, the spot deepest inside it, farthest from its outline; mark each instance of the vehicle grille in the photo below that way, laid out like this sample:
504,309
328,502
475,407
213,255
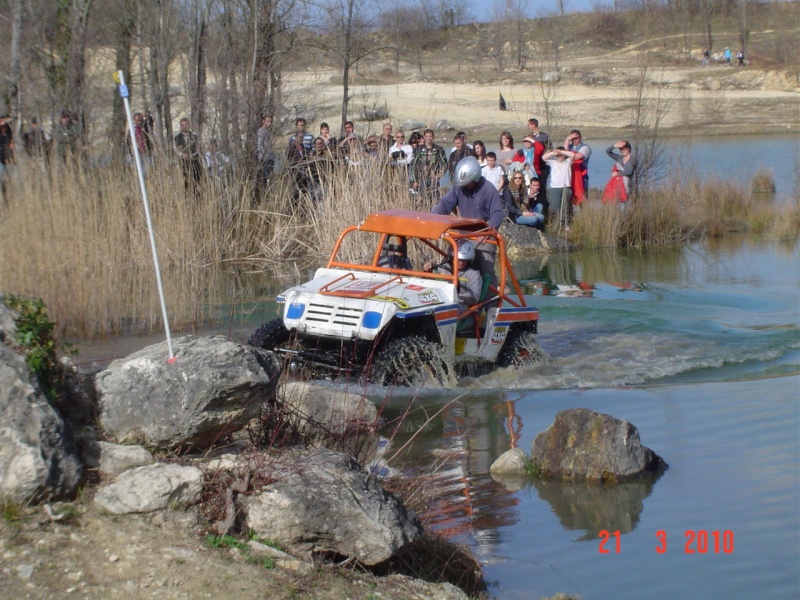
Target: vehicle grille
334,315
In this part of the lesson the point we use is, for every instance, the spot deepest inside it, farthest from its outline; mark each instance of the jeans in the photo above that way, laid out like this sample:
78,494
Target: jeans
560,205
536,220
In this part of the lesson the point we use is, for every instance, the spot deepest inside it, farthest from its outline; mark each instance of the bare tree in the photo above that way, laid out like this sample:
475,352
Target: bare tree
124,30
12,90
648,106
344,32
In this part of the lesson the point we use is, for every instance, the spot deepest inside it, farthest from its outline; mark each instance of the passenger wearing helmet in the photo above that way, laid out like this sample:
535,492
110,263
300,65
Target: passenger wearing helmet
469,278
475,198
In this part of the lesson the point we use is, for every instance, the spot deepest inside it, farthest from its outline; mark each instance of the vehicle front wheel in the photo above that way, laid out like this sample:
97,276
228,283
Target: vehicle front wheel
411,361
270,335
520,350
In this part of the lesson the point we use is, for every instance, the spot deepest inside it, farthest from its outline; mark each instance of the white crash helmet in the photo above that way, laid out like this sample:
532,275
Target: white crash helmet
466,250
468,169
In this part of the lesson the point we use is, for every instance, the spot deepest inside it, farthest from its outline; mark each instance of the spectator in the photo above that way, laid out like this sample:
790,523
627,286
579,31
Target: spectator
217,162
515,195
300,145
492,172
580,166
706,57
480,152
37,142
740,58
187,146
144,143
530,156
264,152
460,150
727,55
325,134
386,140
537,134
373,147
400,153
506,153
467,144
320,164
618,186
6,151
559,193
66,137
536,213
350,145
427,167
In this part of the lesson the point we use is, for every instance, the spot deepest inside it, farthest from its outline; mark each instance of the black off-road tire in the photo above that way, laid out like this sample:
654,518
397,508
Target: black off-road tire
411,361
270,335
520,350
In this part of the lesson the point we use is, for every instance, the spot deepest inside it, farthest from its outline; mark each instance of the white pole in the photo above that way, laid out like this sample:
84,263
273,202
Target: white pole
119,77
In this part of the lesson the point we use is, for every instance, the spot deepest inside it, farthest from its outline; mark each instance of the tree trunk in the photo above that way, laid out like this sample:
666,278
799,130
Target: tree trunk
76,61
122,49
12,98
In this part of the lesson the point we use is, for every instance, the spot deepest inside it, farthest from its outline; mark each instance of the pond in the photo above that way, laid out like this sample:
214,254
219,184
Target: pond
700,349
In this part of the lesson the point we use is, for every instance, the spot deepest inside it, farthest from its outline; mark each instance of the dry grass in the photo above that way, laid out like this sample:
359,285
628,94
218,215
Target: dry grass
77,238
691,211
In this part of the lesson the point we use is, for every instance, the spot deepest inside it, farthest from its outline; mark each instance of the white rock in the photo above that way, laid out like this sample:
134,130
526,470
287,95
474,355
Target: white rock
149,488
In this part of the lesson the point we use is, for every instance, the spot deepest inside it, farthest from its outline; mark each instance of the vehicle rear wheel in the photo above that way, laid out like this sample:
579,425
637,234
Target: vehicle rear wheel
520,350
411,361
270,335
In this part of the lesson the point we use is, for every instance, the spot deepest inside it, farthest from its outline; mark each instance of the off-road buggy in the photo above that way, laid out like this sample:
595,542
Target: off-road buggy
369,314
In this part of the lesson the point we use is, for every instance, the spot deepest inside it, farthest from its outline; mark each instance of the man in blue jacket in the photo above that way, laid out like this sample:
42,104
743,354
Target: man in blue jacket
475,198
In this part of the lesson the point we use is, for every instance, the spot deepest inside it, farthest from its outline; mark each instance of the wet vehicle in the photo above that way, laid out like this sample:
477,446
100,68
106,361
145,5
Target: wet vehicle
369,313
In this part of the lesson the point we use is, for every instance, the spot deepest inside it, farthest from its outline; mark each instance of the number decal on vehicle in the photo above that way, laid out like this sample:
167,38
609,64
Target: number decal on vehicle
499,335
428,298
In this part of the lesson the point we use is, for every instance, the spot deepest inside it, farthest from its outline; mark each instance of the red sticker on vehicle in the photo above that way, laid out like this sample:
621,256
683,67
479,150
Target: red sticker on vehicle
415,288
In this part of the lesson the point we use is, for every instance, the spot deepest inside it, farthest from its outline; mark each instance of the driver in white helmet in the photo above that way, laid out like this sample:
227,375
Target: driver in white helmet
475,198
469,279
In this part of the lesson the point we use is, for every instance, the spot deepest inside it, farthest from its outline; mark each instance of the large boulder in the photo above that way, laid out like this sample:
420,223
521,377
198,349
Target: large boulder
582,444
522,240
38,458
213,388
150,488
323,501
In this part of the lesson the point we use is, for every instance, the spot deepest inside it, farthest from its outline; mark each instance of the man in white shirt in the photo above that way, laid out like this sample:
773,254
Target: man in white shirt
400,153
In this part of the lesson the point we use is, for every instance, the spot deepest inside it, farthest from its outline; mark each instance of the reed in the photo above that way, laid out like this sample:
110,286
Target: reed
77,238
689,211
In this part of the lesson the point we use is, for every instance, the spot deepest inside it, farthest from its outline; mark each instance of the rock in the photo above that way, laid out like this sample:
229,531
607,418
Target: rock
585,445
522,240
444,125
112,459
323,501
214,388
149,488
412,125
511,461
332,418
38,458
8,328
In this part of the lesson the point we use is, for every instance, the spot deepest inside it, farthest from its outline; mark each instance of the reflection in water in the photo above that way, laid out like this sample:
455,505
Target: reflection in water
592,507
466,503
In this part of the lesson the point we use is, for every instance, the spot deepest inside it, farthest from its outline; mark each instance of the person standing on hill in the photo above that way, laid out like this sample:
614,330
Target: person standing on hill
428,166
559,193
727,56
386,140
143,142
187,146
66,137
706,57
